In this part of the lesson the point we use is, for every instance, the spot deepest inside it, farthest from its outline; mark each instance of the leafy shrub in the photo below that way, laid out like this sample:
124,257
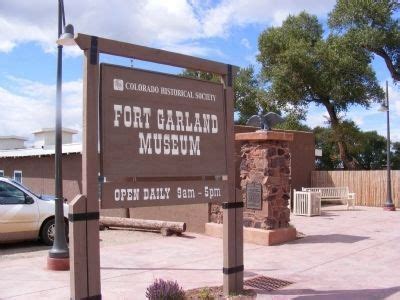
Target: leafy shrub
165,290
206,294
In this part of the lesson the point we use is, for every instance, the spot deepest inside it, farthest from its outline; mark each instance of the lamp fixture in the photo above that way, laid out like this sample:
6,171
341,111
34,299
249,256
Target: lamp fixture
67,37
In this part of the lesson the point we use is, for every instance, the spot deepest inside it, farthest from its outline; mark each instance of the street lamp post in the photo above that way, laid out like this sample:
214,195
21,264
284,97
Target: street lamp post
389,202
58,258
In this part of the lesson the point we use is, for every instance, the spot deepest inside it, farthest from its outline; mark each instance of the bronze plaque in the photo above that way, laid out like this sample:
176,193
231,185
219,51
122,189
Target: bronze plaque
151,193
155,124
254,196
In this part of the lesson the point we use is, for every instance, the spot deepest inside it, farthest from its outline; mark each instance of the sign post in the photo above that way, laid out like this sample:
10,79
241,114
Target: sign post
233,206
164,140
84,216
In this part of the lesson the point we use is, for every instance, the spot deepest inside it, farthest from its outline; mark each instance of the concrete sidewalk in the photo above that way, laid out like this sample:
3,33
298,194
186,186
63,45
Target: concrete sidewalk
343,255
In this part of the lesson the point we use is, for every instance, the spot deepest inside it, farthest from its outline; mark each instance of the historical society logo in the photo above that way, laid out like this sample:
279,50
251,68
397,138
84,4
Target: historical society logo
118,85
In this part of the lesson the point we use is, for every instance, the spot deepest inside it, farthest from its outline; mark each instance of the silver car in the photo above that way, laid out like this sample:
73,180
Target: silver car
24,215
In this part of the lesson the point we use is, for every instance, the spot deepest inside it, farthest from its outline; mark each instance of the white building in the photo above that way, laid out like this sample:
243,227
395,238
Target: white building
47,137
12,142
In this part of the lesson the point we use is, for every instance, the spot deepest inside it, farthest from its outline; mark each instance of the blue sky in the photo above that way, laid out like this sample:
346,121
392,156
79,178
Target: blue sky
223,30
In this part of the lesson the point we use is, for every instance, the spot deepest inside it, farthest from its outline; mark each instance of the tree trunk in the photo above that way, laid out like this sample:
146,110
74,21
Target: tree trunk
154,225
348,162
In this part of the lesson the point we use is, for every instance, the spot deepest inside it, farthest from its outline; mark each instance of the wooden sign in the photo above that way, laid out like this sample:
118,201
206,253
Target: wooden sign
254,196
141,194
168,135
156,124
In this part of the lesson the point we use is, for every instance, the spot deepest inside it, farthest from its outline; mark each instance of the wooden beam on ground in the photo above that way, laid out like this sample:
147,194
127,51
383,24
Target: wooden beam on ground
154,225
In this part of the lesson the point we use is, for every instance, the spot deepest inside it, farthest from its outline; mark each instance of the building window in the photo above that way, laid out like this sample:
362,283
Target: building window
18,176
1,173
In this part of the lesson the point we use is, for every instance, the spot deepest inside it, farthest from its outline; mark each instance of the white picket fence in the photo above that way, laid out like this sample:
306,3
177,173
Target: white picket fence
307,203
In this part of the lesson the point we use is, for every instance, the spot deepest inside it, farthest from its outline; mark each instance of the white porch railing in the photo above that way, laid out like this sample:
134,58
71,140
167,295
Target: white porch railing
307,203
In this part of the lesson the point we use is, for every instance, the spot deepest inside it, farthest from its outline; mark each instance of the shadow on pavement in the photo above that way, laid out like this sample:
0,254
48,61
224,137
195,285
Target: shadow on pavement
246,273
22,247
185,236
344,210
326,214
305,294
330,238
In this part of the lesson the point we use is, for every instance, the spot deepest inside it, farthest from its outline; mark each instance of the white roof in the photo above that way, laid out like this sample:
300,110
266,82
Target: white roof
52,129
12,137
66,149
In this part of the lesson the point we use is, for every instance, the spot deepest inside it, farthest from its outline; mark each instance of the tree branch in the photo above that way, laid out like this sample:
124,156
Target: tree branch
381,52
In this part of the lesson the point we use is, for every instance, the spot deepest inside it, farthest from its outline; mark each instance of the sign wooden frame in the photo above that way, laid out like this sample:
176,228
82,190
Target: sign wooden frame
84,231
133,109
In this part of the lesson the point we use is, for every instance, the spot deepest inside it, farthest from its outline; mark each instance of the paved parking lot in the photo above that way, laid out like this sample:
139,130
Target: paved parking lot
342,255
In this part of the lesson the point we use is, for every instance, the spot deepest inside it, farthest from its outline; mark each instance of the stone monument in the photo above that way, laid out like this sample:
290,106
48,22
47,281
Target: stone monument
265,183
265,173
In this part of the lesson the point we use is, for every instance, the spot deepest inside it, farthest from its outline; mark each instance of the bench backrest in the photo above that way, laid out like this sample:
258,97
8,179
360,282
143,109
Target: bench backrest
330,192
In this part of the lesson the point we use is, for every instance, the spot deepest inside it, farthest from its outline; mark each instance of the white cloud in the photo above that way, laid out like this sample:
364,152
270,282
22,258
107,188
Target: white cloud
149,22
317,118
394,99
175,25
252,58
194,48
26,106
359,115
394,102
366,119
245,43
228,13
155,23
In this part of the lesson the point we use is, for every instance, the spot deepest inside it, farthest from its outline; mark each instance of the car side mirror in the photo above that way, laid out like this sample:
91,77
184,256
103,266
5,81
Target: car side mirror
28,199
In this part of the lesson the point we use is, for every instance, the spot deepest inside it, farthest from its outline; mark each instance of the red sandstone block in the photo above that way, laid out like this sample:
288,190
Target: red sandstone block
256,235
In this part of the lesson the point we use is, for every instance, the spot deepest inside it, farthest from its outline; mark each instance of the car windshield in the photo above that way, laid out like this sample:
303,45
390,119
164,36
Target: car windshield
24,187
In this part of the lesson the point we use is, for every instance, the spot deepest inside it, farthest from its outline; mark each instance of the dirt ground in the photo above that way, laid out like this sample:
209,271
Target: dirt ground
343,254
111,237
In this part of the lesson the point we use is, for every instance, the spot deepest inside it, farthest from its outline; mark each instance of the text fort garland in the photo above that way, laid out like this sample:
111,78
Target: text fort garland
160,143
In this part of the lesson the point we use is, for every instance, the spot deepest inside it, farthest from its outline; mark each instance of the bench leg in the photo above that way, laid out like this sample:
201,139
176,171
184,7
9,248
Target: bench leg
350,202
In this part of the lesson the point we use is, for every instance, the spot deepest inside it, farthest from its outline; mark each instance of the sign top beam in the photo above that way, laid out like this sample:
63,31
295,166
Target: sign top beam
117,48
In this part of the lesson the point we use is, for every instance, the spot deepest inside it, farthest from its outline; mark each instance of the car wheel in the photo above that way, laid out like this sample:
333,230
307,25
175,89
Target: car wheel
48,231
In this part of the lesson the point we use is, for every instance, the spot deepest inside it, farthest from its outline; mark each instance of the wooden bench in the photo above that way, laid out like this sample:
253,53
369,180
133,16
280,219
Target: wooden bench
306,203
334,193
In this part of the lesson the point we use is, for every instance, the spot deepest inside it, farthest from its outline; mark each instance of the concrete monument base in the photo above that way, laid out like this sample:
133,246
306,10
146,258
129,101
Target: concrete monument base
255,235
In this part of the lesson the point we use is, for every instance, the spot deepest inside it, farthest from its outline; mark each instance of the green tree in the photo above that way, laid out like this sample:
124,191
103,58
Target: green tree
251,98
371,151
201,75
371,24
395,159
324,140
293,122
303,67
367,148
